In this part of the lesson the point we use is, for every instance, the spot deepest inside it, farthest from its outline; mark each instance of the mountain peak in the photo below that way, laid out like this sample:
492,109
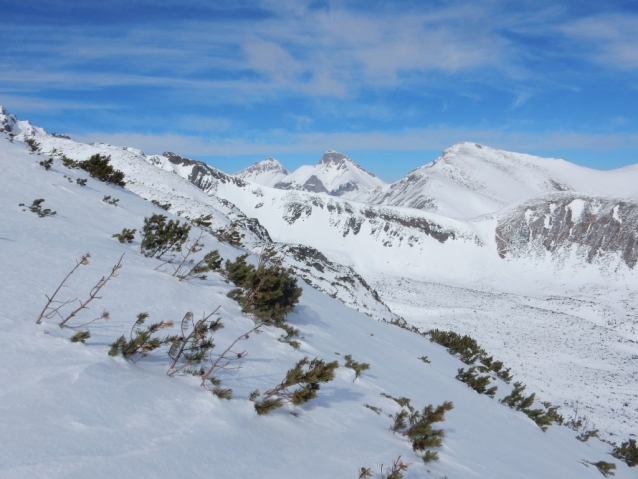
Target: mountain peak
333,157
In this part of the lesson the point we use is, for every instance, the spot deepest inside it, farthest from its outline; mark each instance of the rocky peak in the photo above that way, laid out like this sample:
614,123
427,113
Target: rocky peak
7,121
333,157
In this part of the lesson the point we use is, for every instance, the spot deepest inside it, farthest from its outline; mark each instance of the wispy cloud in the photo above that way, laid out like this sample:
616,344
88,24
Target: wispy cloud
435,138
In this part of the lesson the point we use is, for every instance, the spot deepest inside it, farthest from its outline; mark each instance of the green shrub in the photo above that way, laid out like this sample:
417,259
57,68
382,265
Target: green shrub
268,291
110,201
142,340
81,181
126,236
164,206
476,382
230,234
417,427
35,146
605,468
160,237
37,209
516,400
69,163
357,367
46,164
80,337
307,375
193,345
627,452
99,168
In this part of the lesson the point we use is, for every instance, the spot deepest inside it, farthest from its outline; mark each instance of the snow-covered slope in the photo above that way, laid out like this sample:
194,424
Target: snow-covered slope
335,174
367,255
469,180
266,172
71,411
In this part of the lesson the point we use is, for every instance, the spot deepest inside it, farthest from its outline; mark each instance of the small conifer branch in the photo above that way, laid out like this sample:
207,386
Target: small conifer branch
93,294
192,347
191,247
396,470
47,311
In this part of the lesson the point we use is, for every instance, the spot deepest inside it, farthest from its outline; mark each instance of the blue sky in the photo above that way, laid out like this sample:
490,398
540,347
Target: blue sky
390,84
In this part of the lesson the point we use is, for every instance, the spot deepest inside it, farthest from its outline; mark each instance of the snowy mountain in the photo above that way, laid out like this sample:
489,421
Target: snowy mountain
70,410
546,283
469,180
335,174
266,172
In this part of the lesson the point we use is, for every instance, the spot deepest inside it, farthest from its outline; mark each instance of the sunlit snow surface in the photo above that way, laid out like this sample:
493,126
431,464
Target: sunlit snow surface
69,410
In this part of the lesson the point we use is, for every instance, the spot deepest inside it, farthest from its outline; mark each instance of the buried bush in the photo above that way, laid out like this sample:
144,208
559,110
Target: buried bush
627,452
605,468
126,236
80,337
160,237
476,382
98,166
46,164
110,201
164,206
307,376
37,209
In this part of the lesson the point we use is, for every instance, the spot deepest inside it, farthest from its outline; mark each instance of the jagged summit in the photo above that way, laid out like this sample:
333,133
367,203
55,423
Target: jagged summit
10,124
335,174
331,156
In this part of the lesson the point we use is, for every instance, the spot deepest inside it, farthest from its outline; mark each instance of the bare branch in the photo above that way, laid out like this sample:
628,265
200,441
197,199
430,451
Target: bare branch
93,294
47,311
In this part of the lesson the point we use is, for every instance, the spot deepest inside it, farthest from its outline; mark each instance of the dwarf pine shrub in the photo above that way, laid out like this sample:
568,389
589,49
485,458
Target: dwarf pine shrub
34,145
186,268
476,382
98,166
37,209
160,237
587,435
291,333
627,452
126,236
417,427
164,206
69,163
605,468
230,234
193,346
425,360
81,181
80,337
307,376
142,340
204,221
517,400
46,164
268,291
110,201
354,365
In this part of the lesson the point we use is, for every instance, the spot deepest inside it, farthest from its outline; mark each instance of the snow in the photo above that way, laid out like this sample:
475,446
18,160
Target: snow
69,410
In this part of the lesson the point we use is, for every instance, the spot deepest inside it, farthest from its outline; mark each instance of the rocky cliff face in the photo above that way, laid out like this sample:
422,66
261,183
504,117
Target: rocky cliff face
597,227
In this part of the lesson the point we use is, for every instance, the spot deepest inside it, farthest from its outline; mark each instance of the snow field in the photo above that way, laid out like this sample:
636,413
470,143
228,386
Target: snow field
71,411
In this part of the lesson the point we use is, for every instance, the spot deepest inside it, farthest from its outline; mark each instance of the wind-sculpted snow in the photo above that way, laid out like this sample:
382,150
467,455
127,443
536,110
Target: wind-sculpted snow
600,229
